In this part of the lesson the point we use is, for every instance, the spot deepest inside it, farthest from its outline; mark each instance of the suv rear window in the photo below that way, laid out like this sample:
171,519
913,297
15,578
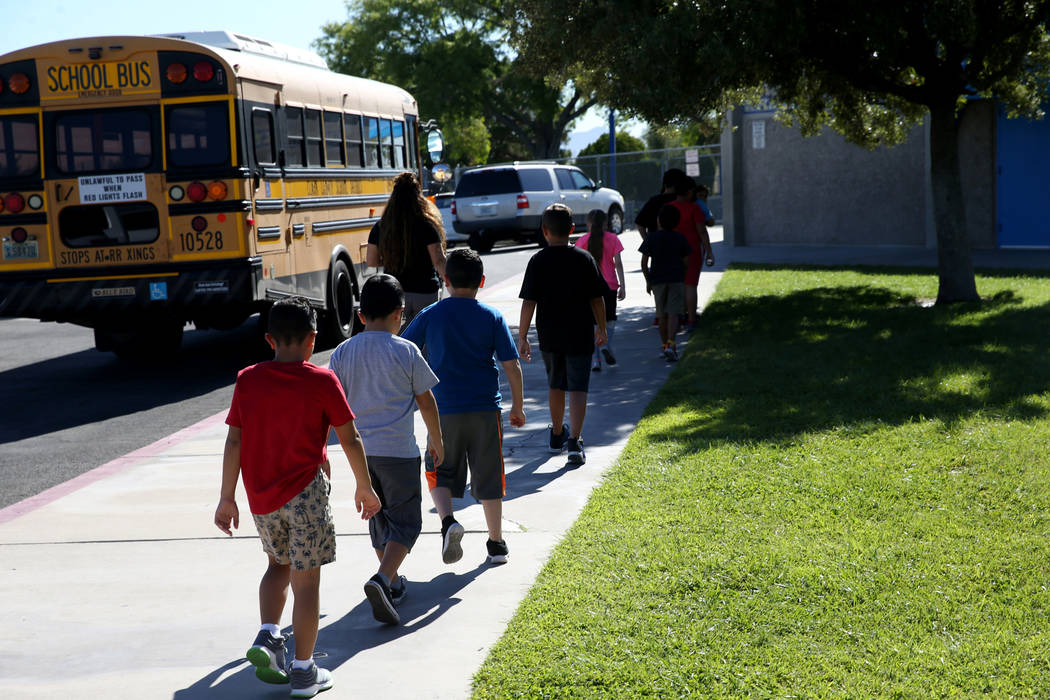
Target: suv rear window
536,181
485,182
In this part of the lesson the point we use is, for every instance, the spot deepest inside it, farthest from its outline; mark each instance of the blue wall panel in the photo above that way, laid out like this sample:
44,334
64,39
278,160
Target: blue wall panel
1023,183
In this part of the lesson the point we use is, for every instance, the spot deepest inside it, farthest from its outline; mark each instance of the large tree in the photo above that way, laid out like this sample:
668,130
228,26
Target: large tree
870,70
455,59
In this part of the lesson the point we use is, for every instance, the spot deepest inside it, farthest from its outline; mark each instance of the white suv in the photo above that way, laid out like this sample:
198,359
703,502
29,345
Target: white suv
495,202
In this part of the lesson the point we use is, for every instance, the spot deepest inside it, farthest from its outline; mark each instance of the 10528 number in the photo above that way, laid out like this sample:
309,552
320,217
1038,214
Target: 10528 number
198,241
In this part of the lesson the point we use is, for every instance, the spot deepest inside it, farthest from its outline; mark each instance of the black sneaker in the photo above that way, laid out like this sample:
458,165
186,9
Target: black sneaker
398,591
498,552
610,359
576,455
451,534
378,594
557,442
308,682
268,657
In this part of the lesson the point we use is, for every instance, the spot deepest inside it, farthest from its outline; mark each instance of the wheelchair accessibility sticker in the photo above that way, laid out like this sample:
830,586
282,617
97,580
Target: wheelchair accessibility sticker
158,291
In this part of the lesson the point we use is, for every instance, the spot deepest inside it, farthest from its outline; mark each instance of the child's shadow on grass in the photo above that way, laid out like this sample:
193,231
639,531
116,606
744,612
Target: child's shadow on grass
343,639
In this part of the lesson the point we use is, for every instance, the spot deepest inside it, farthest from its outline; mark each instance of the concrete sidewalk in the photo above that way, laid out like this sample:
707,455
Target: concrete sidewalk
117,584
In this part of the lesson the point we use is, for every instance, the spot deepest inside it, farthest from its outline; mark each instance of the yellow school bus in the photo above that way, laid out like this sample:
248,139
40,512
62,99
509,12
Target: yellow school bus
148,182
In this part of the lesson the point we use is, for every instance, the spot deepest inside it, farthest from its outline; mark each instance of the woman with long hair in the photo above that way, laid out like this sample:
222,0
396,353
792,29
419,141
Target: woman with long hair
409,242
605,247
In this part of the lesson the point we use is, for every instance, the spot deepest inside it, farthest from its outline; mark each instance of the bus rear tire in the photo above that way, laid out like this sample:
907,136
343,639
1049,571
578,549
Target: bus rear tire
340,318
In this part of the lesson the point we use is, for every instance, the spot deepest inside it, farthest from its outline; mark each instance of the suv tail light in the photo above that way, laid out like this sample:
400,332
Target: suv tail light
523,201
452,207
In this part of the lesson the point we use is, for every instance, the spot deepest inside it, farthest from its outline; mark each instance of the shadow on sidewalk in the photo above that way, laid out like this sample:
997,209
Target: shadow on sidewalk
341,640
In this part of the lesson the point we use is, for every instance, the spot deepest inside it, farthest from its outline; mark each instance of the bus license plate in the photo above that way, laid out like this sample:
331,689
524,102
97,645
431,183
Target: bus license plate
20,251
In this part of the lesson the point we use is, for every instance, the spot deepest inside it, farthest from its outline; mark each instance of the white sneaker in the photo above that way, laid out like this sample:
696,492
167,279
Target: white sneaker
308,682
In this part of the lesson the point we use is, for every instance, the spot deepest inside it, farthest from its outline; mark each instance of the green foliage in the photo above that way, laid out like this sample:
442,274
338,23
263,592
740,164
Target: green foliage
468,140
838,493
868,69
625,143
453,58
690,133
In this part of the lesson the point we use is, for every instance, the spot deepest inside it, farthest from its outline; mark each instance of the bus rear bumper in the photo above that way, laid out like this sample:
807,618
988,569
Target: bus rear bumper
181,290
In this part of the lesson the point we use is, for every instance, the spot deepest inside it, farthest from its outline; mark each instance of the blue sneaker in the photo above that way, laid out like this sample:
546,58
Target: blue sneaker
268,657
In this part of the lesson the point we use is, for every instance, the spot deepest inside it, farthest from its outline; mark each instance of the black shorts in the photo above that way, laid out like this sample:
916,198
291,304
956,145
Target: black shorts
568,372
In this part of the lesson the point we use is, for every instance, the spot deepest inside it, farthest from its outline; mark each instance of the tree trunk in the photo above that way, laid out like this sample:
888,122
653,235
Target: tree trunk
954,262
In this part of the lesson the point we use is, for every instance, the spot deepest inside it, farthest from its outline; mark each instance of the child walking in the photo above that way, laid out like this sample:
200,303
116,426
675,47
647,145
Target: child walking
279,420
386,378
461,335
665,280
563,288
605,247
692,224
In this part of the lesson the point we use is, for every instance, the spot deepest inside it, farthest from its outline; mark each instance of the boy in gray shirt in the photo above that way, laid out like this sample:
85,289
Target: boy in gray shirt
385,378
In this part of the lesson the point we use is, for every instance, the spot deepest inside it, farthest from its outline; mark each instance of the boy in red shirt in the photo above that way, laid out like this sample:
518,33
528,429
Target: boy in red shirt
279,420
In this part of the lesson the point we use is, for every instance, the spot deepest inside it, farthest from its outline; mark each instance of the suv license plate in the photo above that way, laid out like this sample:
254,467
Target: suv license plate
20,251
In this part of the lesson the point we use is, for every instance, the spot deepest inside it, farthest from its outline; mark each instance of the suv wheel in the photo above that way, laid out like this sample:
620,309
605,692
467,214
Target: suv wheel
615,222
480,241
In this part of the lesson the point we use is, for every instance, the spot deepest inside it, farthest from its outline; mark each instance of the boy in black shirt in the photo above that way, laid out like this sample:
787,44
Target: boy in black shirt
563,284
665,280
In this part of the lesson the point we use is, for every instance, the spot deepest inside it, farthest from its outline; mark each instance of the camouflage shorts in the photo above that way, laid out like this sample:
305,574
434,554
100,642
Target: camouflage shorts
301,532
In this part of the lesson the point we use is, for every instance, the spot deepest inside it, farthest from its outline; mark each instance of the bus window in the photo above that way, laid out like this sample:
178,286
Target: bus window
103,141
314,144
371,142
93,226
198,134
19,146
262,135
386,143
399,145
413,143
353,140
333,138
293,123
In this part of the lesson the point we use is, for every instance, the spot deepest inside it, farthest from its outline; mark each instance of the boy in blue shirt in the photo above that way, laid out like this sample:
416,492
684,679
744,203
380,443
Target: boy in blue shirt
460,336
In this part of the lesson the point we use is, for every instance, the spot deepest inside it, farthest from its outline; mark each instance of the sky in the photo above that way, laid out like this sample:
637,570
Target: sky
296,23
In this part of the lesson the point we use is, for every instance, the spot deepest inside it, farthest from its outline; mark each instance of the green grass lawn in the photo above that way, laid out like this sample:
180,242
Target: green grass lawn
840,493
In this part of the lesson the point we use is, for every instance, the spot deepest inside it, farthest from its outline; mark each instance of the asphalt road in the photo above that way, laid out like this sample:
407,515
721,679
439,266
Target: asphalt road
68,408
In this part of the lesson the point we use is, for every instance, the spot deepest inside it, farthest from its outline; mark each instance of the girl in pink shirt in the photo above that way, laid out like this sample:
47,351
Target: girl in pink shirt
604,246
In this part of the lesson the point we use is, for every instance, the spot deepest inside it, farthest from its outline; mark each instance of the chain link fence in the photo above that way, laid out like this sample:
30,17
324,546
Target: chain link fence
639,173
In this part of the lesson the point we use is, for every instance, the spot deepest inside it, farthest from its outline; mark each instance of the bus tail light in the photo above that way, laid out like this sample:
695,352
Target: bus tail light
35,201
176,193
196,191
19,235
217,190
1,85
523,202
203,71
176,73
14,203
19,83
199,223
